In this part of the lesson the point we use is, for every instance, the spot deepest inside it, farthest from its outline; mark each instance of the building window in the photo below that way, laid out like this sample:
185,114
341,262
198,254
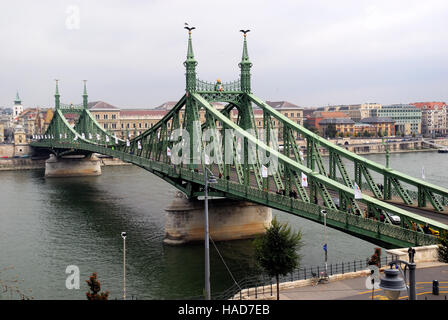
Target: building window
114,116
97,116
105,125
105,117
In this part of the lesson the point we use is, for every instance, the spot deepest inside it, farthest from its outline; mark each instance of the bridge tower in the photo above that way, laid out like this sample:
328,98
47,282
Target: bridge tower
71,165
229,219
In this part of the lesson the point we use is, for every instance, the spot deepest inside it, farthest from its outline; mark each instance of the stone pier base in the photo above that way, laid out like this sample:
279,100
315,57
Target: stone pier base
228,220
72,166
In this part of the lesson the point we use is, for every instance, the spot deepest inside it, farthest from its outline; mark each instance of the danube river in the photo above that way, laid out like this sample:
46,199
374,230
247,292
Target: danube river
49,224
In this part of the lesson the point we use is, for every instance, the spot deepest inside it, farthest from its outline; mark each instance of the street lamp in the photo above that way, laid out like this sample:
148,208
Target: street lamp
324,213
207,180
123,235
392,284
386,147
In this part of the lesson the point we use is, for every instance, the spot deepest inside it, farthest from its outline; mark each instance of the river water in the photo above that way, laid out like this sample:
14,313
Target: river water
49,224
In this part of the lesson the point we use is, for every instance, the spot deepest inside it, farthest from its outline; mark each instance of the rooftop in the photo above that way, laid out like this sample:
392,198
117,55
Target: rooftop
377,120
101,105
282,105
399,106
429,105
336,121
329,114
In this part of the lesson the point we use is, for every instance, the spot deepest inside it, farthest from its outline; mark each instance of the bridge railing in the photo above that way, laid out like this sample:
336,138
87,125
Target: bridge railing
212,86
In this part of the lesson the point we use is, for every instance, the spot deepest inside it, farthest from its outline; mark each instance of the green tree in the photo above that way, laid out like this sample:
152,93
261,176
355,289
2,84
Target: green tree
276,250
331,131
442,251
311,128
95,288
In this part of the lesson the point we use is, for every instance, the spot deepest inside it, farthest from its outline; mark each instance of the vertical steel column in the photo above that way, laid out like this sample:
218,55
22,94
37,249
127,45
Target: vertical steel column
387,187
421,197
358,173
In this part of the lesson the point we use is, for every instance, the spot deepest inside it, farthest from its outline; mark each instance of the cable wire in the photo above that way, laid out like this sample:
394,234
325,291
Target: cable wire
224,263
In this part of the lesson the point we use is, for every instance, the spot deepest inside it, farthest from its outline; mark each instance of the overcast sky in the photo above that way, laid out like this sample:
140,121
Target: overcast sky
311,53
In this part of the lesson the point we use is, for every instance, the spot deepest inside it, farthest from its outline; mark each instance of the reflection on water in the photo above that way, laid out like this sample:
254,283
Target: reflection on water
48,224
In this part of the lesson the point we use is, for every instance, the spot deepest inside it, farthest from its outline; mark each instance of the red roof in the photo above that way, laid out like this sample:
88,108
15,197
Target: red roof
98,105
429,105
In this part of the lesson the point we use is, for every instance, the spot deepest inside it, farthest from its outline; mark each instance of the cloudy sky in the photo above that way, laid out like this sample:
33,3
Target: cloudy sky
311,53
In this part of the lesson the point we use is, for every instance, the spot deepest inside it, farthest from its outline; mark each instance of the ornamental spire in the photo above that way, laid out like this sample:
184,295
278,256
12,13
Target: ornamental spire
84,95
190,63
56,95
245,66
190,53
17,101
245,57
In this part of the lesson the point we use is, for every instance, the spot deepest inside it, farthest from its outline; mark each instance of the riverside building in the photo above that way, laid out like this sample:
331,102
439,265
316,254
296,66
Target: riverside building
407,118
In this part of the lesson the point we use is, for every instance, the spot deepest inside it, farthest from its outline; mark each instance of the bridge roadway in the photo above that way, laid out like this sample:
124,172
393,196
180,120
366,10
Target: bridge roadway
426,212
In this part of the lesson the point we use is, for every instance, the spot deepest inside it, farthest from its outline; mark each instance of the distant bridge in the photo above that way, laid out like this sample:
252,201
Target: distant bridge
435,145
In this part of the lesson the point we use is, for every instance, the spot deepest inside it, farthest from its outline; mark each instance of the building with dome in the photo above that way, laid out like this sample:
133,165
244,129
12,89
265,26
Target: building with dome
21,146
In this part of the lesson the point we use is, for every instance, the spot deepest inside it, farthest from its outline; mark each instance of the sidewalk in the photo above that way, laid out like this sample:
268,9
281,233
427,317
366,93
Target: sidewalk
353,286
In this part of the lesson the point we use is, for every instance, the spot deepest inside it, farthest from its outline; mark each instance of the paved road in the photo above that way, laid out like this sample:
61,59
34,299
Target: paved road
356,289
440,217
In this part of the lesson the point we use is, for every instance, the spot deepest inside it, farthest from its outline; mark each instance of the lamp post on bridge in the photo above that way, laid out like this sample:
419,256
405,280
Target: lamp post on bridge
207,180
386,146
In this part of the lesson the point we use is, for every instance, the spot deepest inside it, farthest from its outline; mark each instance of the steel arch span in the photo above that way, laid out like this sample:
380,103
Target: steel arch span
241,175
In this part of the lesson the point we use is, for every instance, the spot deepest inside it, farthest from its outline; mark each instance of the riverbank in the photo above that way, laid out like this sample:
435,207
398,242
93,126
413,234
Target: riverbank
21,164
11,164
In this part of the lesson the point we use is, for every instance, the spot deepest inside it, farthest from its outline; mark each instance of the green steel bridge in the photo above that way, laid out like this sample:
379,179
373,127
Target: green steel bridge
241,178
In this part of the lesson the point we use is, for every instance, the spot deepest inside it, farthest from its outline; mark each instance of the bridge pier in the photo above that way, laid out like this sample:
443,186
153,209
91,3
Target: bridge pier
72,166
228,220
